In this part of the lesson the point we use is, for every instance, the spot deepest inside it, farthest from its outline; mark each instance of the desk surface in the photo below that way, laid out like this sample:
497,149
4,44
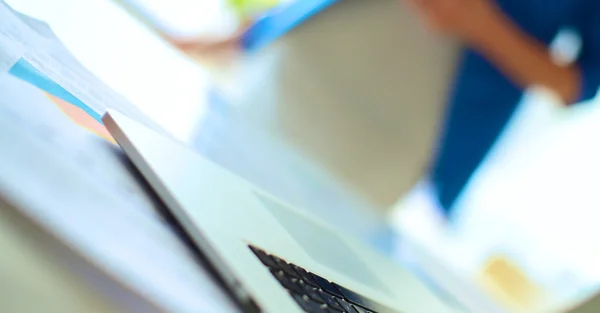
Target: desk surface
30,271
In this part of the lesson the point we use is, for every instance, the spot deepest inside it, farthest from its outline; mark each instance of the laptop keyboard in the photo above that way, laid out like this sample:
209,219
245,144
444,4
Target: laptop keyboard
315,294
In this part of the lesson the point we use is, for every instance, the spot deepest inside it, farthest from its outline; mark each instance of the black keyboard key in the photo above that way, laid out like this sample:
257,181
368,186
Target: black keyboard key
358,299
312,292
285,267
309,305
300,284
264,258
327,286
363,301
347,306
361,310
306,276
287,282
316,294
330,300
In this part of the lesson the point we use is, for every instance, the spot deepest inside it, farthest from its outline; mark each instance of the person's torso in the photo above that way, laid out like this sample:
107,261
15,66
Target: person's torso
543,18
483,99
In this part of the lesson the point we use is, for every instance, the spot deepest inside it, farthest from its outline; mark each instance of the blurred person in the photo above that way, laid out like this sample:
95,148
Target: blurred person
506,51
245,10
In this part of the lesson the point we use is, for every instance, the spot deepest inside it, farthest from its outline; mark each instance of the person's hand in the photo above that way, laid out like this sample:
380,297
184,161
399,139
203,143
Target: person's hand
469,20
219,50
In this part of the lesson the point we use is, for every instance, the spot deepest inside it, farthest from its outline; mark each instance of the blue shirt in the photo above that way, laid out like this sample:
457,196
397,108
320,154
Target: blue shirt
483,99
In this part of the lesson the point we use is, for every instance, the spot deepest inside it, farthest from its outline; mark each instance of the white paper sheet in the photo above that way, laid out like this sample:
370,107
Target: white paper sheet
9,53
129,58
10,50
40,47
79,187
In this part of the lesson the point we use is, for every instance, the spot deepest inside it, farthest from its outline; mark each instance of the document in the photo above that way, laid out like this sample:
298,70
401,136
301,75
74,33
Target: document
9,54
35,42
81,189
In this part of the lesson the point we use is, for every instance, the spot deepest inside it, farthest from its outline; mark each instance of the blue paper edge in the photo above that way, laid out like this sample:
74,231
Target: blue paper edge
277,22
27,72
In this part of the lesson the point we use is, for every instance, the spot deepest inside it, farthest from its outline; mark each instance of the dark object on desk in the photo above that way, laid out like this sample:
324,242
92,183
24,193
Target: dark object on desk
314,293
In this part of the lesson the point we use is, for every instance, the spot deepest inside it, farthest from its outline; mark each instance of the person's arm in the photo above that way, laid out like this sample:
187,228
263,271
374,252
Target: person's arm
208,46
526,61
231,43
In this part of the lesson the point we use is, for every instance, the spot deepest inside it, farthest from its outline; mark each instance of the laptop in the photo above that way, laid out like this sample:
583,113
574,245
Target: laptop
269,256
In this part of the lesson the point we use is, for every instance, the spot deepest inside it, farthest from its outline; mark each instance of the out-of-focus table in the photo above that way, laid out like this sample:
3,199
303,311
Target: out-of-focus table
35,276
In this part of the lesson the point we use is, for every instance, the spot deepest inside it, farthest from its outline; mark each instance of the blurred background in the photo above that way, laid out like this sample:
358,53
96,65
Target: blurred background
532,204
